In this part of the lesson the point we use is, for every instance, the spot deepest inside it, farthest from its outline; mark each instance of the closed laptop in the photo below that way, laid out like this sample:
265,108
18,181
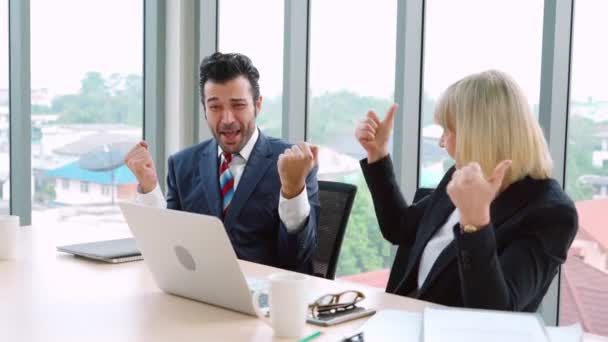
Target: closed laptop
113,251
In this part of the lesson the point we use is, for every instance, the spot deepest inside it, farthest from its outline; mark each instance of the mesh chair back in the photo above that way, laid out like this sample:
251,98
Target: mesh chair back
336,203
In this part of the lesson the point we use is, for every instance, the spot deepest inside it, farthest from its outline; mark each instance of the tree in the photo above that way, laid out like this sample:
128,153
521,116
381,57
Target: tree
40,109
581,144
337,113
117,99
364,249
270,118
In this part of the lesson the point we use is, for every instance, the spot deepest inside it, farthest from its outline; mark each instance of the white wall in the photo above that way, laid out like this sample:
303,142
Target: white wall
74,196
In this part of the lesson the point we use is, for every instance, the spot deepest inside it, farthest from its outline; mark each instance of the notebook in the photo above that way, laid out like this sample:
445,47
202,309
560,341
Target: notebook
469,325
455,324
390,326
112,251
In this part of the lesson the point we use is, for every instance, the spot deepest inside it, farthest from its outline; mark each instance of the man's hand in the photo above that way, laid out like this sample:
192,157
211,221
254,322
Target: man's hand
373,134
139,161
294,165
472,193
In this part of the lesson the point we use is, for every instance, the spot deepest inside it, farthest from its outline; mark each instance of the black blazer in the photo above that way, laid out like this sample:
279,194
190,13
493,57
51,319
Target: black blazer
506,266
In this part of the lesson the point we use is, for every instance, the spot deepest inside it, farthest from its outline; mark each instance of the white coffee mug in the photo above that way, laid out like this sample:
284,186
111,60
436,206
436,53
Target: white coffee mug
288,295
9,226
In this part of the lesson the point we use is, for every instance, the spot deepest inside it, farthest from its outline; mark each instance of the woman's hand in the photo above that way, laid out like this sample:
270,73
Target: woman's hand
472,193
373,134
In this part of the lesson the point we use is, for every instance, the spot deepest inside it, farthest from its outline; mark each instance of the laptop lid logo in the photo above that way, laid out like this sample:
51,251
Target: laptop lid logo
185,258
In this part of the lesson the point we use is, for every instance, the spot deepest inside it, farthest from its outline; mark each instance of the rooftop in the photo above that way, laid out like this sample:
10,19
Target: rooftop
122,175
593,220
584,296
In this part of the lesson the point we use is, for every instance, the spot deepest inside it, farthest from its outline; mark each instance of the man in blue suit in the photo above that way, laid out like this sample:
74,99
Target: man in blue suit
264,189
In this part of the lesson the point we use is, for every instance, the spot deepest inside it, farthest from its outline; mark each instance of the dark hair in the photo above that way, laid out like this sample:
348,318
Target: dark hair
223,67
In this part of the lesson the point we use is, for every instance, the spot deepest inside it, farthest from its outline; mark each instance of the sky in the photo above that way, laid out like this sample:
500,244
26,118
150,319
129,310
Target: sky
352,43
71,37
255,28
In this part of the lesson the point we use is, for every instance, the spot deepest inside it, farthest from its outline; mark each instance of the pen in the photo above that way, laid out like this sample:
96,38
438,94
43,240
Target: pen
310,337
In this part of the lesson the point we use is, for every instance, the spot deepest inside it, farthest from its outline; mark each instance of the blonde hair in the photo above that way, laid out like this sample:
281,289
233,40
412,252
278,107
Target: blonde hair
492,121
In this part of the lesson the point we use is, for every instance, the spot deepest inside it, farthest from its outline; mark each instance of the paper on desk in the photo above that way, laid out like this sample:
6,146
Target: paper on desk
393,325
571,333
467,325
594,338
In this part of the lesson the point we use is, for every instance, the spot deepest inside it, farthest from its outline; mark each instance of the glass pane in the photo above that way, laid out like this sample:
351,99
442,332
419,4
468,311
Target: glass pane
584,279
257,32
468,36
87,108
4,111
352,67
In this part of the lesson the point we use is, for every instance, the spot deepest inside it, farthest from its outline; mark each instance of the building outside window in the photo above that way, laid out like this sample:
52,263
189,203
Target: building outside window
84,187
346,80
65,184
87,107
584,277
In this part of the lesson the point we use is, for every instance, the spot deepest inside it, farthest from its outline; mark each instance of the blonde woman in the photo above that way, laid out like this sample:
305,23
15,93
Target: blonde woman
496,228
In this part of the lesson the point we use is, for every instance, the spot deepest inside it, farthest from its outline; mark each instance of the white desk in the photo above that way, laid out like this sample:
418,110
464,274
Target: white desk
50,296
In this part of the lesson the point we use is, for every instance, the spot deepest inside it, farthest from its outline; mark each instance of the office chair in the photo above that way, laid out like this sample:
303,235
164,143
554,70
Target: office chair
336,203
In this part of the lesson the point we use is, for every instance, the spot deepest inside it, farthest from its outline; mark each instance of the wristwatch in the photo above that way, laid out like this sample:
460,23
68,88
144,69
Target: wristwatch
469,228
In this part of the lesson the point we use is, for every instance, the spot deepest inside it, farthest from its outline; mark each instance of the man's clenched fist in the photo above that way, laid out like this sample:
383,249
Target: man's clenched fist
139,161
294,165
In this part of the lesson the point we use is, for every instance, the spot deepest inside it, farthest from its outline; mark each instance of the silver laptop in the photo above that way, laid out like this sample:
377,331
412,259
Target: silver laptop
113,251
191,256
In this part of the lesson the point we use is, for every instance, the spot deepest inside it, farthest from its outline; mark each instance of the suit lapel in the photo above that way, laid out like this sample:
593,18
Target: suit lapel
443,260
259,161
440,210
210,178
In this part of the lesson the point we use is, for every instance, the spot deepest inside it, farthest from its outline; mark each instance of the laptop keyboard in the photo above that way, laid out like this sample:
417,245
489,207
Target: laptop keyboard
259,285
263,301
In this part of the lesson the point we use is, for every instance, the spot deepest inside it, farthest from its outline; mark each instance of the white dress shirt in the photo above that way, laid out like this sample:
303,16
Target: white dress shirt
293,212
436,245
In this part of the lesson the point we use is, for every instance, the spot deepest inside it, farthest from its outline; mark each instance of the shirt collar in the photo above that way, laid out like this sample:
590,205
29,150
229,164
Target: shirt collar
245,152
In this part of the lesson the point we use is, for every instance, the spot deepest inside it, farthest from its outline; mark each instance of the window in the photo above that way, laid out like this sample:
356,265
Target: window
584,277
87,105
470,36
105,190
65,184
346,80
257,32
84,187
4,111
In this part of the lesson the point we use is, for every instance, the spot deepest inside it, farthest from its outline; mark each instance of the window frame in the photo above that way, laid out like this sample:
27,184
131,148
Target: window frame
553,111
154,30
409,61
65,184
84,187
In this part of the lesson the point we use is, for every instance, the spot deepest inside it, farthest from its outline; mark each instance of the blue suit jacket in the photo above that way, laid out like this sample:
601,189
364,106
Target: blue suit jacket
252,222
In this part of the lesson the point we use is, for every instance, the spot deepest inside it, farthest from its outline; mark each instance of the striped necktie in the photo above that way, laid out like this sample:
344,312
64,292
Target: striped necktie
226,181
